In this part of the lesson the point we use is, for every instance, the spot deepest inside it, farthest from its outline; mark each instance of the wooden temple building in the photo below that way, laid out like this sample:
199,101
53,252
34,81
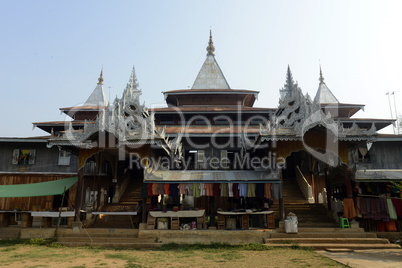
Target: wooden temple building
211,157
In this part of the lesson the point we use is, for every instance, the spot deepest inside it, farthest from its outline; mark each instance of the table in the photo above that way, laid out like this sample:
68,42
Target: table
133,213
48,215
245,218
116,213
175,218
26,219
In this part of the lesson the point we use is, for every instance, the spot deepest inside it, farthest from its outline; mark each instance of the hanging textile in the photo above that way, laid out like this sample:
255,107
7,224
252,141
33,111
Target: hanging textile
167,188
391,210
216,191
230,189
349,210
267,190
276,190
209,189
243,188
398,206
224,187
251,190
161,188
174,191
155,189
196,189
259,190
149,189
182,188
189,189
202,189
235,189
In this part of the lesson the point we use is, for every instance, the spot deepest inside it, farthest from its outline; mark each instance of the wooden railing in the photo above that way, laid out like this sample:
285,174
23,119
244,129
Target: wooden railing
304,185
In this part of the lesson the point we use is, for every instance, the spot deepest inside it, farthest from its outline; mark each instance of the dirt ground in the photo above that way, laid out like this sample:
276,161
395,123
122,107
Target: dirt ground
43,256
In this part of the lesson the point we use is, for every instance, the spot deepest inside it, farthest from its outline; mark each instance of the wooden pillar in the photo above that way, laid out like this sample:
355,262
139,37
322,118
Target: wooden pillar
80,191
281,204
347,182
328,187
144,210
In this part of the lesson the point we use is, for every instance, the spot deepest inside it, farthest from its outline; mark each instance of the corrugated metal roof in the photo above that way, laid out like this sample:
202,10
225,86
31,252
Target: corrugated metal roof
211,176
378,175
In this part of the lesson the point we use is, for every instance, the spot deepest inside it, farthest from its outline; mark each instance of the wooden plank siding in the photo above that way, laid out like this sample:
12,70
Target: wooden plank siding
27,203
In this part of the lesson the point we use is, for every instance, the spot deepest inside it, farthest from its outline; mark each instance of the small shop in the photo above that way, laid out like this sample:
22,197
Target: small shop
212,199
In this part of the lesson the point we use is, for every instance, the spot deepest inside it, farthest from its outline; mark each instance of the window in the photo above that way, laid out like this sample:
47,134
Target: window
90,167
24,156
64,158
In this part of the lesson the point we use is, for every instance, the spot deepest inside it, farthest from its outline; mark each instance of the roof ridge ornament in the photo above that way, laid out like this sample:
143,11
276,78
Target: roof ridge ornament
321,79
100,79
210,47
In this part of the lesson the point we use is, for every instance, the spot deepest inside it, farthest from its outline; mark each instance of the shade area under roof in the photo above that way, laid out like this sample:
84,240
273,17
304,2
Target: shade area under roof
37,189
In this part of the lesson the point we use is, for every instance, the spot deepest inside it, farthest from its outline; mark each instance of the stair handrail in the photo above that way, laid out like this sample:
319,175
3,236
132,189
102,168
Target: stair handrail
305,187
120,189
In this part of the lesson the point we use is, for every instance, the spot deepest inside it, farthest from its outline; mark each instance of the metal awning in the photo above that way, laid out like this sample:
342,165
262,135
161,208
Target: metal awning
378,175
37,189
211,176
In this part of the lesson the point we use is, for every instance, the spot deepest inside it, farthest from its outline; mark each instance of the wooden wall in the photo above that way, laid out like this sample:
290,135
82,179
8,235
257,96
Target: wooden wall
26,203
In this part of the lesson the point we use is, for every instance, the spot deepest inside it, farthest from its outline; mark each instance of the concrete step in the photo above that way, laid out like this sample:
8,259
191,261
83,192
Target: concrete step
330,230
343,240
100,232
111,245
339,246
103,239
323,235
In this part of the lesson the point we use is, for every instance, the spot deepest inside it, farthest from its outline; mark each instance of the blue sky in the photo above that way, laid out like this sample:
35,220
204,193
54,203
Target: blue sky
51,52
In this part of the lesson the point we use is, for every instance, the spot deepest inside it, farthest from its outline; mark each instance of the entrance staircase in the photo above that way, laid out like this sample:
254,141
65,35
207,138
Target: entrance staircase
330,238
308,215
316,229
131,197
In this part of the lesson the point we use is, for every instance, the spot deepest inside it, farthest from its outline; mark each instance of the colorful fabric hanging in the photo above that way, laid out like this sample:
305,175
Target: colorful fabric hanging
251,189
167,188
224,189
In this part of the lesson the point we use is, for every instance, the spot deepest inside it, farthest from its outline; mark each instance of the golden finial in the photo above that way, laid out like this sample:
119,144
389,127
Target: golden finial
321,79
100,79
210,47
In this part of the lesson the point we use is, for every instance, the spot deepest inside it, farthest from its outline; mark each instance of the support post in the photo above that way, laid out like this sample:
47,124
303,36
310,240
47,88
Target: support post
327,186
61,205
281,204
78,197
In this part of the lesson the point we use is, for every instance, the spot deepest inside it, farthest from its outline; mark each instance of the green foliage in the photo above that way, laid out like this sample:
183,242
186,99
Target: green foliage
38,242
397,184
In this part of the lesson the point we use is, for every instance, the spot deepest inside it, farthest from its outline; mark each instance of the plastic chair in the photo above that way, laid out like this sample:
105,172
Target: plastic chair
344,223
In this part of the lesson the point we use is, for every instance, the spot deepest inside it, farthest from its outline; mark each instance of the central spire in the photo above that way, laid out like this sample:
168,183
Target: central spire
210,47
321,79
210,75
100,79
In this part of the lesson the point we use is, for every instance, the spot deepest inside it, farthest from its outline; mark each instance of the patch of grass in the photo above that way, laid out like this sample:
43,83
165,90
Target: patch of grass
120,256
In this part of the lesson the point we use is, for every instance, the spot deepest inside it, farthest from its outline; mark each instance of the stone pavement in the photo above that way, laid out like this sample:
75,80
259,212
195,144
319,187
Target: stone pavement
367,258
